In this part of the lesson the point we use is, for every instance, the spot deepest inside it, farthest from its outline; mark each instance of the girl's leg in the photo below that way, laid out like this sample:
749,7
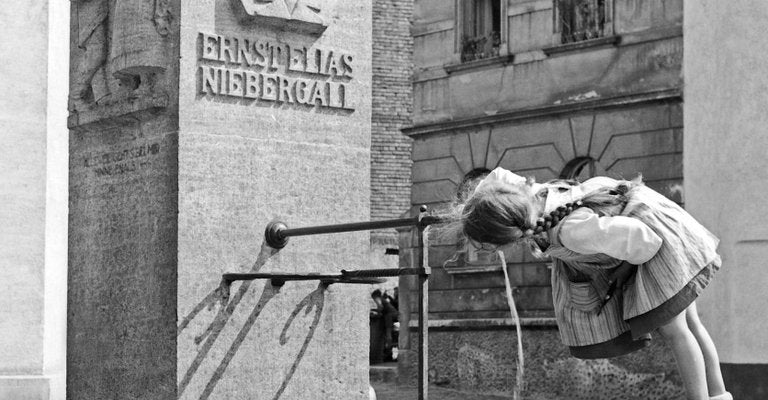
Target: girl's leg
711,360
690,361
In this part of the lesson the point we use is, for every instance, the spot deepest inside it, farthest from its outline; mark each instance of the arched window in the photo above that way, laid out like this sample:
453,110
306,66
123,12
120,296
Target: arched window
470,181
580,169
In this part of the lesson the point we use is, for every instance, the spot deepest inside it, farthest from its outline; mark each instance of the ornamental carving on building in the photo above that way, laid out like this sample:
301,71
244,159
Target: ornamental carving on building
119,56
298,15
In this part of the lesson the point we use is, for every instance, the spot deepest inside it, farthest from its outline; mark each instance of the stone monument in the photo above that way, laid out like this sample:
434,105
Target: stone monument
192,126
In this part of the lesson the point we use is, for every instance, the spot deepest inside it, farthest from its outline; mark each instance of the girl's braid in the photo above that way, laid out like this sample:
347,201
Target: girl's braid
553,218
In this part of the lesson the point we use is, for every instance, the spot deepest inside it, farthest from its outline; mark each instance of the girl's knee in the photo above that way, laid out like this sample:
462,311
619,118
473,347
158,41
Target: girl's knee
676,327
692,315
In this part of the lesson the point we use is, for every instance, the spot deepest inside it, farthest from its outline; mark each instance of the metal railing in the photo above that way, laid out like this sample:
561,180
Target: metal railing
277,234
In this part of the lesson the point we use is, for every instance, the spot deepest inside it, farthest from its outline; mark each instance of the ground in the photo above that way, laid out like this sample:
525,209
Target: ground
390,391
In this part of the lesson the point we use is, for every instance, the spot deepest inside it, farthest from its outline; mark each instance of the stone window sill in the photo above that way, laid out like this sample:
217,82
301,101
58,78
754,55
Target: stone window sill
466,268
583,45
479,64
472,269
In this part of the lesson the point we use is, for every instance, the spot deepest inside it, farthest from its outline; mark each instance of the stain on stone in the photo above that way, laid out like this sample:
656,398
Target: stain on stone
601,379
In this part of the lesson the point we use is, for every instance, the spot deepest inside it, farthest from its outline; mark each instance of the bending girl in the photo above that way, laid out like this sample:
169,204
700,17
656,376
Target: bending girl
627,261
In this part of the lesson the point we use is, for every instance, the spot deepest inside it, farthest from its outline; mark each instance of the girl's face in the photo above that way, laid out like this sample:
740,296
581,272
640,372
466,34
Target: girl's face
559,193
540,193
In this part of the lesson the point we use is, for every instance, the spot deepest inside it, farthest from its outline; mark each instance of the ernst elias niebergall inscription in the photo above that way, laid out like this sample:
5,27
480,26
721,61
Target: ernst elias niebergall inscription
273,72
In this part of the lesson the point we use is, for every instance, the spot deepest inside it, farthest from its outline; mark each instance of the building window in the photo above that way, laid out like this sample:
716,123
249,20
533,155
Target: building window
579,20
468,258
482,29
580,169
470,181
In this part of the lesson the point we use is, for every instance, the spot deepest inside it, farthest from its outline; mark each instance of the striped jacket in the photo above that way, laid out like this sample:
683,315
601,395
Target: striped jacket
580,281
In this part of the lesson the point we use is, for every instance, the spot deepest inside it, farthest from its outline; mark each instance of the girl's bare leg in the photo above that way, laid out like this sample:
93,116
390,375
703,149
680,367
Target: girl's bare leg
708,350
690,361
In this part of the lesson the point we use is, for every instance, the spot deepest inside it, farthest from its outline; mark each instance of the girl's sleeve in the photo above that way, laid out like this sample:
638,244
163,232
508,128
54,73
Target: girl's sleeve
624,238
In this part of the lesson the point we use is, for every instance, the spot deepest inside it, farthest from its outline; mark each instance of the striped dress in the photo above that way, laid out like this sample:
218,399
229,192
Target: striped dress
661,288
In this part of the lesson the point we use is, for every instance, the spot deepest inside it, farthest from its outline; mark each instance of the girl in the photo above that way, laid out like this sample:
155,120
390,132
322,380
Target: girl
627,261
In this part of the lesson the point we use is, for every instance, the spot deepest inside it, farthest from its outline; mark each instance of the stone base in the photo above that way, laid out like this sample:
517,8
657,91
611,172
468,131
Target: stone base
746,381
485,361
24,388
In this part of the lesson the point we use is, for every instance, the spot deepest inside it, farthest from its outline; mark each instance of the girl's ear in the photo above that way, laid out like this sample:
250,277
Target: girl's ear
530,180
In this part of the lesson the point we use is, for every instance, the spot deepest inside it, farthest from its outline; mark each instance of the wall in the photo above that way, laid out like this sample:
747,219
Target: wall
245,162
643,56
392,105
725,172
34,228
535,108
391,111
185,143
467,293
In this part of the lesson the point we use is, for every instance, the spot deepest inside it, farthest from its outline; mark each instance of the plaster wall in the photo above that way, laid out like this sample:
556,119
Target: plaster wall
725,166
34,185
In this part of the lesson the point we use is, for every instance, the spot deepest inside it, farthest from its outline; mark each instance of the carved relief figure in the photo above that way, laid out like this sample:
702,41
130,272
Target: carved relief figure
89,78
302,10
120,48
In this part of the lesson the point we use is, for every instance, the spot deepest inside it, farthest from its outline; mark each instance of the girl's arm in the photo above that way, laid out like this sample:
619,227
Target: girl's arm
623,238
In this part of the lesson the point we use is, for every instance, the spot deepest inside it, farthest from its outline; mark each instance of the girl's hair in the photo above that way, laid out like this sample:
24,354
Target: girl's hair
499,214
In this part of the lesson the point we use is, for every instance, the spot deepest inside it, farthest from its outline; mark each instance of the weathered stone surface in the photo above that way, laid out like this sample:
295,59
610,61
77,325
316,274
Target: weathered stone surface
623,142
122,263
486,362
530,28
119,58
165,202
244,162
488,299
635,16
437,44
572,77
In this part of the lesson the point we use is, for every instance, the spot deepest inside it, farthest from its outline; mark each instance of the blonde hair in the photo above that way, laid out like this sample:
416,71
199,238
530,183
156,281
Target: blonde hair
499,214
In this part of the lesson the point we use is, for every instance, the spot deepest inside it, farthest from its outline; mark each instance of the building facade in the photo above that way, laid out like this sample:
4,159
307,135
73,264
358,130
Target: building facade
545,88
391,111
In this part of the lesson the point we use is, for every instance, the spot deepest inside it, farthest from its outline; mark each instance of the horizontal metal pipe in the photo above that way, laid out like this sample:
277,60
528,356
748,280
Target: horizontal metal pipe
280,279
385,272
349,227
277,233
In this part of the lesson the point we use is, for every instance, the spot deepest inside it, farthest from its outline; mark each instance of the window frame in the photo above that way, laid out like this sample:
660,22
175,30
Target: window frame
557,34
459,25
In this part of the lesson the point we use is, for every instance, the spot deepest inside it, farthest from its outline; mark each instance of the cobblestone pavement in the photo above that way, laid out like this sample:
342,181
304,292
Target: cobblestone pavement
390,391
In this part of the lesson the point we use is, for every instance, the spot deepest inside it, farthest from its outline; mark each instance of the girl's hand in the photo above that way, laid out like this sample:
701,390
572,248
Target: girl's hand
621,274
616,280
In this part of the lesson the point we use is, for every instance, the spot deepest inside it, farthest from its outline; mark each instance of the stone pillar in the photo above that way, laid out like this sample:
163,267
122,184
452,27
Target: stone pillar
726,173
179,158
33,230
